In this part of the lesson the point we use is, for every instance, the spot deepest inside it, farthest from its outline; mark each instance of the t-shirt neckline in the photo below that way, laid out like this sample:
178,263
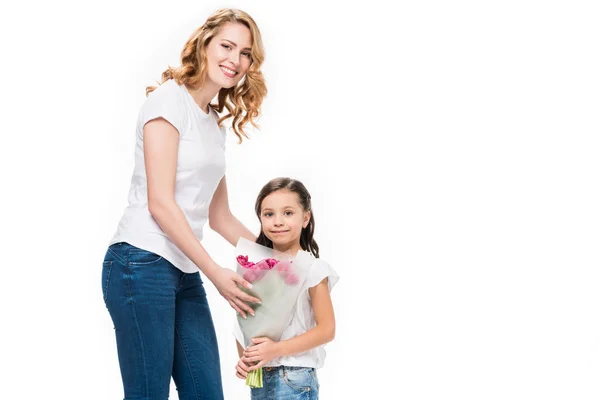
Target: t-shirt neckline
191,98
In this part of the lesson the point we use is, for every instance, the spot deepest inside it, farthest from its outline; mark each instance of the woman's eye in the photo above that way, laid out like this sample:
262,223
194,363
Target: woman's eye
228,47
246,54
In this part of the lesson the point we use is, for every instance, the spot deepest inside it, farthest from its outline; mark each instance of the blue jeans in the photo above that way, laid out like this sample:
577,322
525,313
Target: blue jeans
288,383
163,326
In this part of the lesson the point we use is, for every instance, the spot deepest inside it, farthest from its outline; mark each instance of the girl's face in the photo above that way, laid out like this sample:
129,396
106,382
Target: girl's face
282,219
229,55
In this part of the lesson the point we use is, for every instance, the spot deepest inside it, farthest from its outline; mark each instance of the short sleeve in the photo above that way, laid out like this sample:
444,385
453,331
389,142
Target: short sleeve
164,102
319,271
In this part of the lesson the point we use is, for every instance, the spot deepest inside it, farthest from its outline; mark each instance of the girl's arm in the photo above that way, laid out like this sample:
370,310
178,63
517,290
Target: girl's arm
265,350
241,368
161,142
222,221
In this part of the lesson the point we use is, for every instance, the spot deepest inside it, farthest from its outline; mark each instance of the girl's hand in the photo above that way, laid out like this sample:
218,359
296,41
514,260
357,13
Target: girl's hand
226,281
242,368
261,352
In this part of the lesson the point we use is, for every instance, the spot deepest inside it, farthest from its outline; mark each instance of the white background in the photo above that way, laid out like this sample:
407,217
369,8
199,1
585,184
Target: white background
451,148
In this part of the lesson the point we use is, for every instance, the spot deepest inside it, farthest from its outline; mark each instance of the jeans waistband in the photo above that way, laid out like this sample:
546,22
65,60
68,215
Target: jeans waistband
285,367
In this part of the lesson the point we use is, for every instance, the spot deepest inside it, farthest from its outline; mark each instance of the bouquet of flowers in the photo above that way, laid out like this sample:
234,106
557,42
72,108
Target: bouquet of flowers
277,280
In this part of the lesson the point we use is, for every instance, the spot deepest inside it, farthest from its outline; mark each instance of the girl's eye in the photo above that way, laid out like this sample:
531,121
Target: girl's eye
267,214
288,213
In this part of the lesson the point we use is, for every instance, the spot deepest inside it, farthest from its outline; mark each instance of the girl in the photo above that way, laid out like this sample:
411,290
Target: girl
150,279
287,223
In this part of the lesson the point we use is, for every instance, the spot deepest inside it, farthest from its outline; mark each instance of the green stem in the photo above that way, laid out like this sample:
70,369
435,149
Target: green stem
255,378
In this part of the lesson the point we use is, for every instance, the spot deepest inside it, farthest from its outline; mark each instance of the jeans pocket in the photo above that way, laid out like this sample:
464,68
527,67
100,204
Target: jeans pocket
298,379
106,269
142,257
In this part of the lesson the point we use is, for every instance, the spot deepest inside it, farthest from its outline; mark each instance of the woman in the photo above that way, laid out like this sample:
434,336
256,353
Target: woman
150,279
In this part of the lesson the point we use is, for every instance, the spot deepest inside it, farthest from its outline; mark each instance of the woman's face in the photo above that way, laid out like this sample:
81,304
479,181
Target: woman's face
229,55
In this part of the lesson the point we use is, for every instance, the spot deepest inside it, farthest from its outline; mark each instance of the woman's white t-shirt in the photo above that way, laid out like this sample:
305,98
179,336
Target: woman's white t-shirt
200,168
303,319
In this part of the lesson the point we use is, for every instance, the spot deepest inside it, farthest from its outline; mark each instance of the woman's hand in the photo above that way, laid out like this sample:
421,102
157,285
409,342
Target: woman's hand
242,368
261,352
226,281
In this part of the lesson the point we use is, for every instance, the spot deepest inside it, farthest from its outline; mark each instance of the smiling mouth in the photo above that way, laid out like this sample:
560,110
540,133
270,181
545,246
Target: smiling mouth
228,72
277,232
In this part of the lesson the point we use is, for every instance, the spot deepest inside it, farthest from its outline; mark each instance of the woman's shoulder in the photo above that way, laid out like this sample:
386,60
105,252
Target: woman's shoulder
166,101
167,90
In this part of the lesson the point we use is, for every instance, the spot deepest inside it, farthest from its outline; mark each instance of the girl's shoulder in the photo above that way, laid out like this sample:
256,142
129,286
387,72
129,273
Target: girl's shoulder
319,270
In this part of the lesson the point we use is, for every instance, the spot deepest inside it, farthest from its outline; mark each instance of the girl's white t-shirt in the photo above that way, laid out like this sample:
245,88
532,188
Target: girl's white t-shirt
303,319
200,168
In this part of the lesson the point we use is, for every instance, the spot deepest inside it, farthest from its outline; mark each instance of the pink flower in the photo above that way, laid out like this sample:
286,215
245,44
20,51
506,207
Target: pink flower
272,262
291,278
243,261
250,275
283,266
255,271
262,264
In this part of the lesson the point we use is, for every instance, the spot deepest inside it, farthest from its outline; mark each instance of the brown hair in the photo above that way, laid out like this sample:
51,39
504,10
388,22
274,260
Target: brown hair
307,242
241,101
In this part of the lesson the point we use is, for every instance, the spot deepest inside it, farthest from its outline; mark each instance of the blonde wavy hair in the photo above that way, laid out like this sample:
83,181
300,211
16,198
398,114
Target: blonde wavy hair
242,101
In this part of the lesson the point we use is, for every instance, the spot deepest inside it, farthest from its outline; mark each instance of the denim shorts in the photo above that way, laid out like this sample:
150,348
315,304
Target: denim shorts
288,383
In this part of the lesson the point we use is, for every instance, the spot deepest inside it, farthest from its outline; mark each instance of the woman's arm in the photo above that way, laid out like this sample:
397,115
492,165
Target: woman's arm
161,142
265,350
222,221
